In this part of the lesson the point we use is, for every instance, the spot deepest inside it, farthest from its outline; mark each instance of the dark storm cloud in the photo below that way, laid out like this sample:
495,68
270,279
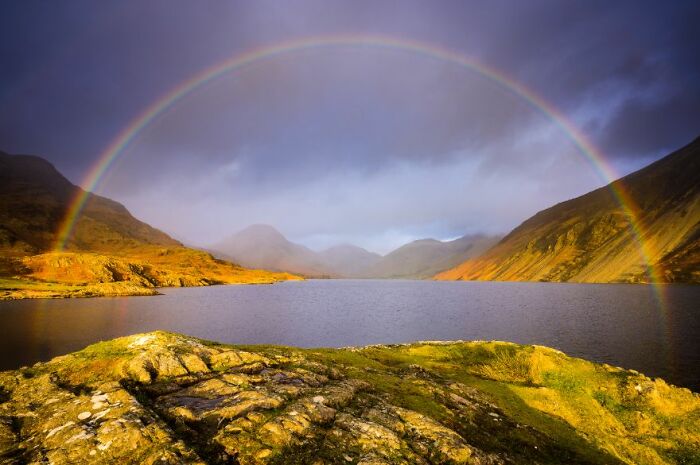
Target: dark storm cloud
636,63
331,109
353,134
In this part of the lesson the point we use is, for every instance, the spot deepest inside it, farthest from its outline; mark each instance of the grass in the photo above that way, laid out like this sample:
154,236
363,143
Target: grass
569,400
17,288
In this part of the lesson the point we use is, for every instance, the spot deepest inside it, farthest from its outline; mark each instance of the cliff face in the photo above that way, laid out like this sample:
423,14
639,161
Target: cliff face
165,398
590,238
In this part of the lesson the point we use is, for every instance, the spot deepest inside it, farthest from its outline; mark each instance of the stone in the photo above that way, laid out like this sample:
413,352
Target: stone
152,401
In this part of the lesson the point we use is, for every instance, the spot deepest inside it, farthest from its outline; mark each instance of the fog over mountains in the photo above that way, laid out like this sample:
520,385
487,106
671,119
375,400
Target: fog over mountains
587,239
590,238
262,246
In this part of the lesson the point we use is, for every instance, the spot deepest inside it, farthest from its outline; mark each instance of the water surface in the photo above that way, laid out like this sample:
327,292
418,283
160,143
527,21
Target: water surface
614,323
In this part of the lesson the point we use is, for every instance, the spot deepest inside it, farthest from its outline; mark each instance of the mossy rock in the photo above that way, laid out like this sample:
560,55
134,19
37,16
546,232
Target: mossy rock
166,398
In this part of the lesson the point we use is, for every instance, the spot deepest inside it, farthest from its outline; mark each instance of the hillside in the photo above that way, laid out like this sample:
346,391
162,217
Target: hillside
34,198
165,398
348,260
109,253
590,238
262,246
426,257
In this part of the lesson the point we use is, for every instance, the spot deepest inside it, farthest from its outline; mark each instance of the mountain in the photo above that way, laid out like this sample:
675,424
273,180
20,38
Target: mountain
109,253
349,260
591,238
426,257
34,198
262,246
166,398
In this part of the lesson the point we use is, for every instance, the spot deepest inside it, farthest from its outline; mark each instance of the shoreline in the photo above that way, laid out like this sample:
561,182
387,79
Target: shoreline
45,290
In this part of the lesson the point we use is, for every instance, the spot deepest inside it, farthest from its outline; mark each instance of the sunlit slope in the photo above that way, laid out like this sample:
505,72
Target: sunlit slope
110,252
590,238
165,398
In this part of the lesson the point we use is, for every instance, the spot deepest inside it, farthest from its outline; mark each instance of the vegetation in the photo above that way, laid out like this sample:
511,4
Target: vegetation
173,399
138,272
109,252
591,238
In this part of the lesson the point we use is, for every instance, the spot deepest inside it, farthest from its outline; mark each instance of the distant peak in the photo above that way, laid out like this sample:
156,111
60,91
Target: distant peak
261,228
262,231
345,247
428,240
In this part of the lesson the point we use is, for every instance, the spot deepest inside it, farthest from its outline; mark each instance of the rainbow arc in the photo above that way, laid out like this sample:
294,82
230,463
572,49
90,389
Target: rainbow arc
239,61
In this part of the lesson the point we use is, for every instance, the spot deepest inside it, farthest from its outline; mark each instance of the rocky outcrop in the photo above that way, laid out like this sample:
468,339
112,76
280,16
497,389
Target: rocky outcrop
161,398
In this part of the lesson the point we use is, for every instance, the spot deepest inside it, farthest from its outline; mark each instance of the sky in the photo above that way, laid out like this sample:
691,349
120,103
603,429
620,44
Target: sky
361,144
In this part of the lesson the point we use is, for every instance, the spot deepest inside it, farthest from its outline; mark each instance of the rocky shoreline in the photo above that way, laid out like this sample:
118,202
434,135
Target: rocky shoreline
165,398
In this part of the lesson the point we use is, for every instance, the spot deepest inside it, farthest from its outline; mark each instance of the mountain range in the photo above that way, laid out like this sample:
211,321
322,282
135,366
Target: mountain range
592,238
109,251
262,246
34,199
426,257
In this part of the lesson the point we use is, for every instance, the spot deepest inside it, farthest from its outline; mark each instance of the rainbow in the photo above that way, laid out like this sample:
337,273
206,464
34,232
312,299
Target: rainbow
239,61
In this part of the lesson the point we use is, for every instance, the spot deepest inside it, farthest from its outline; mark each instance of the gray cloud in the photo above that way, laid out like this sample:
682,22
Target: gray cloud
366,145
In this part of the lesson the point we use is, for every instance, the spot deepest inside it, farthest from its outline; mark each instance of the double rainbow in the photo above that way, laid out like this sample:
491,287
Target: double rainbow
182,90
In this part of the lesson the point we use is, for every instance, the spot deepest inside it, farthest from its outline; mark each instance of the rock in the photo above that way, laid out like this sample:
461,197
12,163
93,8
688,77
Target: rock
167,399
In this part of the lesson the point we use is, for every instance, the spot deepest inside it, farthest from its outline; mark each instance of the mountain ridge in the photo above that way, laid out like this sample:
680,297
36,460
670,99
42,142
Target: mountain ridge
349,260
590,238
264,246
34,199
423,258
110,252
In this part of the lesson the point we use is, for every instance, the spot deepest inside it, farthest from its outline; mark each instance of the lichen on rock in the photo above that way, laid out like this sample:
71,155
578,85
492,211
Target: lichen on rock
169,399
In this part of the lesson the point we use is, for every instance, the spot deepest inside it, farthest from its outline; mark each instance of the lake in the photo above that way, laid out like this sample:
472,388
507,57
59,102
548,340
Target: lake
620,324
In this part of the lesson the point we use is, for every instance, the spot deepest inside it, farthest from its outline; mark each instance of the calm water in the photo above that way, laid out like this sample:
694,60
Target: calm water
618,324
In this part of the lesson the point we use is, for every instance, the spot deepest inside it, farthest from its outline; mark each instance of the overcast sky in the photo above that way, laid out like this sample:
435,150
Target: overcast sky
366,145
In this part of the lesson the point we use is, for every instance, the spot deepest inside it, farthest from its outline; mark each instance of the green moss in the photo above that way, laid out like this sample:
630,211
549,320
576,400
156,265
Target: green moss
549,408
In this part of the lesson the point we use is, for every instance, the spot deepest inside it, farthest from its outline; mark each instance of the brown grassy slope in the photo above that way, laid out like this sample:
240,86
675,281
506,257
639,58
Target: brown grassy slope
589,238
108,244
34,198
